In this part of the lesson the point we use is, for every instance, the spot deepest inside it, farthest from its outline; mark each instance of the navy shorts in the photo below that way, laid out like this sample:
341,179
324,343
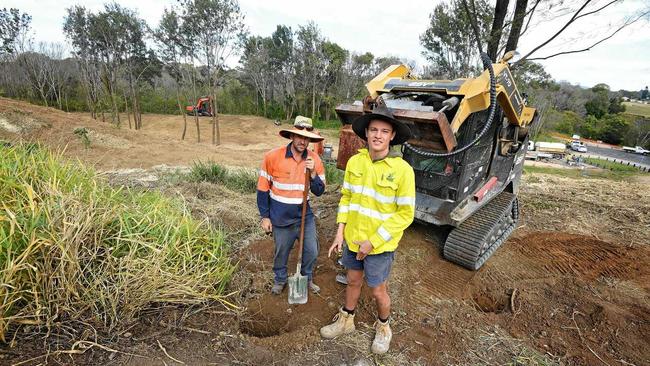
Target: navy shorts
376,267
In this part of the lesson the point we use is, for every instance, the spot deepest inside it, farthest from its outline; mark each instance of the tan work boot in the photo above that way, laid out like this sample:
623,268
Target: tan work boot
382,337
343,324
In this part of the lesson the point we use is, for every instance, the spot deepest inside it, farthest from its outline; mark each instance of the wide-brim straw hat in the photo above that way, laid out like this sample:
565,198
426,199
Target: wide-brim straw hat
381,112
286,133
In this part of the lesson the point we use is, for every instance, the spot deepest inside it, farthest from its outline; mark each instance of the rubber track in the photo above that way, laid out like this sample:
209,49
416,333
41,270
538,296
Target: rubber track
464,243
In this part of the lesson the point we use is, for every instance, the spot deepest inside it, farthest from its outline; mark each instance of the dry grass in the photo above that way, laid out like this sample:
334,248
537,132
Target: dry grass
73,249
610,210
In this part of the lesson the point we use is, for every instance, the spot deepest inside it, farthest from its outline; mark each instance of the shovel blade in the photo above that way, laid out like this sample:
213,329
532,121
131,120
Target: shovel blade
297,289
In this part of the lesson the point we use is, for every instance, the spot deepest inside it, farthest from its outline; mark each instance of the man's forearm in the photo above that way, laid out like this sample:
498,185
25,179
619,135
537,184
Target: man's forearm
340,230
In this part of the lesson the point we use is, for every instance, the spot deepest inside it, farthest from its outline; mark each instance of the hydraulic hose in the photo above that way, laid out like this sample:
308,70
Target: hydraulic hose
487,63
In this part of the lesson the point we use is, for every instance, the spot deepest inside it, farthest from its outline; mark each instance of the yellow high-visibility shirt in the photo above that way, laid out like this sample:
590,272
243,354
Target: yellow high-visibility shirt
377,201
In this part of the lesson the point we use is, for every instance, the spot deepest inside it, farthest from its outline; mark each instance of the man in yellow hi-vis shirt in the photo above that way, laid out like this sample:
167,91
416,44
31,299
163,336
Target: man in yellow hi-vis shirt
377,205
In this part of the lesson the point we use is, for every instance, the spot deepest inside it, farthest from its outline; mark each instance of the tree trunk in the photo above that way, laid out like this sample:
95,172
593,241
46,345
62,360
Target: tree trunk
137,114
180,109
198,128
126,106
257,104
517,22
327,111
313,98
216,133
264,105
116,111
500,11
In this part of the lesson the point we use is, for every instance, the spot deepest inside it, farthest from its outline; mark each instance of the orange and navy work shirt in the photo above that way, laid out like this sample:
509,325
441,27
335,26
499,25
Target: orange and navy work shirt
281,184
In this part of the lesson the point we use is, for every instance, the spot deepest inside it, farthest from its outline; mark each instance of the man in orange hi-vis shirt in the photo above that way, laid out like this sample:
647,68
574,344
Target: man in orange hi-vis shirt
280,188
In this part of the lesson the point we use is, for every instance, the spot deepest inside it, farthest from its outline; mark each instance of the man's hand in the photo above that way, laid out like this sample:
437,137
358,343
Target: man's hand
365,247
266,225
309,164
337,244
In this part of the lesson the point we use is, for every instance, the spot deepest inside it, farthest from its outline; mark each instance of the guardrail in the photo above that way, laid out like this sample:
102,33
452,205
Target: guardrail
641,167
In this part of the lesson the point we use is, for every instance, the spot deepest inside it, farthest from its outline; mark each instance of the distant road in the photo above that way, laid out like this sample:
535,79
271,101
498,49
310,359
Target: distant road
617,154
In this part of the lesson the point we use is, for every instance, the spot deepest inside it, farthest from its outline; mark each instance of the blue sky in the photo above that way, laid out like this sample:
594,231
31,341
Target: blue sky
392,28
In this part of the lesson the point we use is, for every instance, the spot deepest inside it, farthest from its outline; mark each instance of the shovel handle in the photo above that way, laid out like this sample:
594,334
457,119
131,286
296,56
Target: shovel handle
305,192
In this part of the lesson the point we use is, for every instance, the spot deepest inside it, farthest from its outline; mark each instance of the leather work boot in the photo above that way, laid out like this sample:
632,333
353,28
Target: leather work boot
343,324
277,288
314,287
382,337
342,278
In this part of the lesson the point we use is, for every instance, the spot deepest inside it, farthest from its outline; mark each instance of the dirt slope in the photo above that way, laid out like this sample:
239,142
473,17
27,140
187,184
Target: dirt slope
244,138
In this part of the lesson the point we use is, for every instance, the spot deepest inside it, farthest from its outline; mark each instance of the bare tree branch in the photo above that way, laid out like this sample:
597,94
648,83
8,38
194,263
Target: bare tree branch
472,20
530,14
627,23
568,23
597,10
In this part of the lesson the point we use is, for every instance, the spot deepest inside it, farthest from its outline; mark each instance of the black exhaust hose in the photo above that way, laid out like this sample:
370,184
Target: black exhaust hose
487,63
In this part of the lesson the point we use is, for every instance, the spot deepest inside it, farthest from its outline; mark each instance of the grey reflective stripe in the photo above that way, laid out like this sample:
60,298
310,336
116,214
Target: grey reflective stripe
405,201
265,175
289,187
369,192
384,234
369,212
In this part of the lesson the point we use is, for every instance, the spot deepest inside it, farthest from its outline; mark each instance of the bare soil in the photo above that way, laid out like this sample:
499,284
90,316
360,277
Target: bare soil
571,286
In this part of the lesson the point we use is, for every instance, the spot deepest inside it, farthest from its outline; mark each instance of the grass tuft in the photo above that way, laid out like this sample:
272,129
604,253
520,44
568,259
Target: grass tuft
333,175
74,249
611,165
240,180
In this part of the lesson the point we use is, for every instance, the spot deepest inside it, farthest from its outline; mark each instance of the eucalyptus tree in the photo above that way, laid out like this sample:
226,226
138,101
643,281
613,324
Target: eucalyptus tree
334,74
257,68
358,70
114,38
448,42
283,66
77,29
171,47
310,63
217,30
14,25
459,29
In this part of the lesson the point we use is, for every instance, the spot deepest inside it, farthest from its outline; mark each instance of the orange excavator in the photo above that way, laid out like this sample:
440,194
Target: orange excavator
203,107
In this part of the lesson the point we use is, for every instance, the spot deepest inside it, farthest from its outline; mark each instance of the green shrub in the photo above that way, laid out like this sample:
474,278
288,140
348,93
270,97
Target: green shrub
240,180
333,124
611,165
333,175
82,133
73,248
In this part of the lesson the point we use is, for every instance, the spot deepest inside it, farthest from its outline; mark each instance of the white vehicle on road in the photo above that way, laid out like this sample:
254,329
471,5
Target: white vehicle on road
636,150
579,146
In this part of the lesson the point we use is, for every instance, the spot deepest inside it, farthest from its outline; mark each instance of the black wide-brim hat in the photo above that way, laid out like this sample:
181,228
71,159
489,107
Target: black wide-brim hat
381,112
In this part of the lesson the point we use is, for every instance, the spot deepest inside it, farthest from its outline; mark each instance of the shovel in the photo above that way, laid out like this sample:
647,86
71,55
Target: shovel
297,283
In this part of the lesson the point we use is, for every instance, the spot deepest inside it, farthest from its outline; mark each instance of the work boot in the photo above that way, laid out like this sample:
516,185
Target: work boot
314,287
382,337
277,288
343,324
342,278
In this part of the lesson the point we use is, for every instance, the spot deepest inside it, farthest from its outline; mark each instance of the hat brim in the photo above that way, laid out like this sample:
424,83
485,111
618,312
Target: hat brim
310,135
402,131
